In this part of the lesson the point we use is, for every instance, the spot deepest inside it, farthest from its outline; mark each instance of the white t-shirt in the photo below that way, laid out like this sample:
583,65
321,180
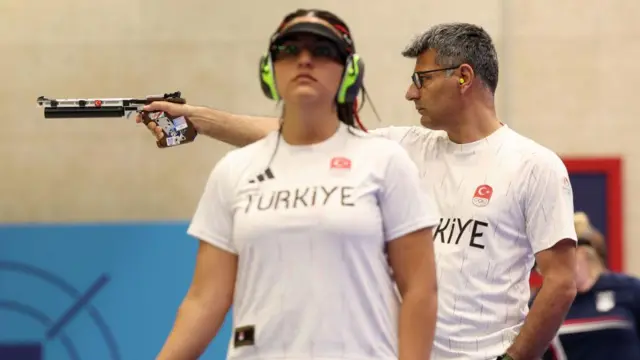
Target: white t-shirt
313,279
502,199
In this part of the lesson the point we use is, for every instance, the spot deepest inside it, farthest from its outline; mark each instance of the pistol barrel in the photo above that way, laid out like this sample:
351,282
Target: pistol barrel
100,107
84,112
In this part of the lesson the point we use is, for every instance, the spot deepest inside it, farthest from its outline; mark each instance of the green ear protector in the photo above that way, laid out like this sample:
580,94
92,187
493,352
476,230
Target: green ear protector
347,91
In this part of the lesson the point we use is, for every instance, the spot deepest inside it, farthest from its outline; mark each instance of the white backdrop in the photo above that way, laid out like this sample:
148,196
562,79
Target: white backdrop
567,80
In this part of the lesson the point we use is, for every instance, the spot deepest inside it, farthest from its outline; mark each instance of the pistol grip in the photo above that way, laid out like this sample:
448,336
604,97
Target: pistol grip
178,130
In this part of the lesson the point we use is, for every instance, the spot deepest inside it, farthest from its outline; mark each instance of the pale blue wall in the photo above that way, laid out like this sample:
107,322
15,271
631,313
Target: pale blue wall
140,271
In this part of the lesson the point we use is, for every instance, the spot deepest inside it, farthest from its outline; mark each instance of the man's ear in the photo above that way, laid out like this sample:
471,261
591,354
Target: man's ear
467,75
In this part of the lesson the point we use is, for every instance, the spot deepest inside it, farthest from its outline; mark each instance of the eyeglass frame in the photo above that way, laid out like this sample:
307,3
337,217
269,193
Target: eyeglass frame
416,77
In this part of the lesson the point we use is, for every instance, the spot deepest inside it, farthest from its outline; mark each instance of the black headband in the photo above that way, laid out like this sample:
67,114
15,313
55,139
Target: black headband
343,42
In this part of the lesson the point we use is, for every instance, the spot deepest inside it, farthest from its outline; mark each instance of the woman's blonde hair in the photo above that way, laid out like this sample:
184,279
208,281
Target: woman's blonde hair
586,231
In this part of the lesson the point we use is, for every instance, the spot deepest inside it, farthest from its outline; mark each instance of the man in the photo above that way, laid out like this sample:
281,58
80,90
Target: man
506,201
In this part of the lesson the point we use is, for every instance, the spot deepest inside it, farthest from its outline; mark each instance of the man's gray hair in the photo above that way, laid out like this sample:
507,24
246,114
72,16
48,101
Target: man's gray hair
459,43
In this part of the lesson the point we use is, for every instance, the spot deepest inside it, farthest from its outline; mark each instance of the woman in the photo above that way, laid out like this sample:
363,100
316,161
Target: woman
604,319
302,230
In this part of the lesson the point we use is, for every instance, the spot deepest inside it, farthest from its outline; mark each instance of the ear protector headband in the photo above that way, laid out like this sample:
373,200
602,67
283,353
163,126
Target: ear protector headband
353,74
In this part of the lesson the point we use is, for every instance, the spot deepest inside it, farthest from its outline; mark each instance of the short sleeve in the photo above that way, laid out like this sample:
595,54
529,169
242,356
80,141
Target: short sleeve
394,133
213,218
548,202
406,207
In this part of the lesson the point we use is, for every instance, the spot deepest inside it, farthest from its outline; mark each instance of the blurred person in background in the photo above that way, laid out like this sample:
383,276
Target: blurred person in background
604,320
505,200
586,231
300,230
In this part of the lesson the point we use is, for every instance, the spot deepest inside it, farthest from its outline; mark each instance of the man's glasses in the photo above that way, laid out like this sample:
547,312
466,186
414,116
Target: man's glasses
417,76
319,50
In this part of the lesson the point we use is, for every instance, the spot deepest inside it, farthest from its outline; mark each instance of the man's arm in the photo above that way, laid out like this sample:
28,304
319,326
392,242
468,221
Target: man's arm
547,201
236,130
240,130
553,300
233,129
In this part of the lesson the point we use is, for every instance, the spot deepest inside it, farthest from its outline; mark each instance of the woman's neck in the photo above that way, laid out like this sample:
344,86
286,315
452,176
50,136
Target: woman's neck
308,126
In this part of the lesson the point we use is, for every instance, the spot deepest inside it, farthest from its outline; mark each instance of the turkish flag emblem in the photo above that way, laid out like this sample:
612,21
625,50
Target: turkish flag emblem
482,195
340,163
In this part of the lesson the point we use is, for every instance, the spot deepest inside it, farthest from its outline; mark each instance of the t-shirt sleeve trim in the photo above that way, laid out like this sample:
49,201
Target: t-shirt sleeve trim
214,240
411,227
551,243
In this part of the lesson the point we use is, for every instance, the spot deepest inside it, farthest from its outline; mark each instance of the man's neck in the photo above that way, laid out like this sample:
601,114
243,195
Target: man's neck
304,126
473,124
